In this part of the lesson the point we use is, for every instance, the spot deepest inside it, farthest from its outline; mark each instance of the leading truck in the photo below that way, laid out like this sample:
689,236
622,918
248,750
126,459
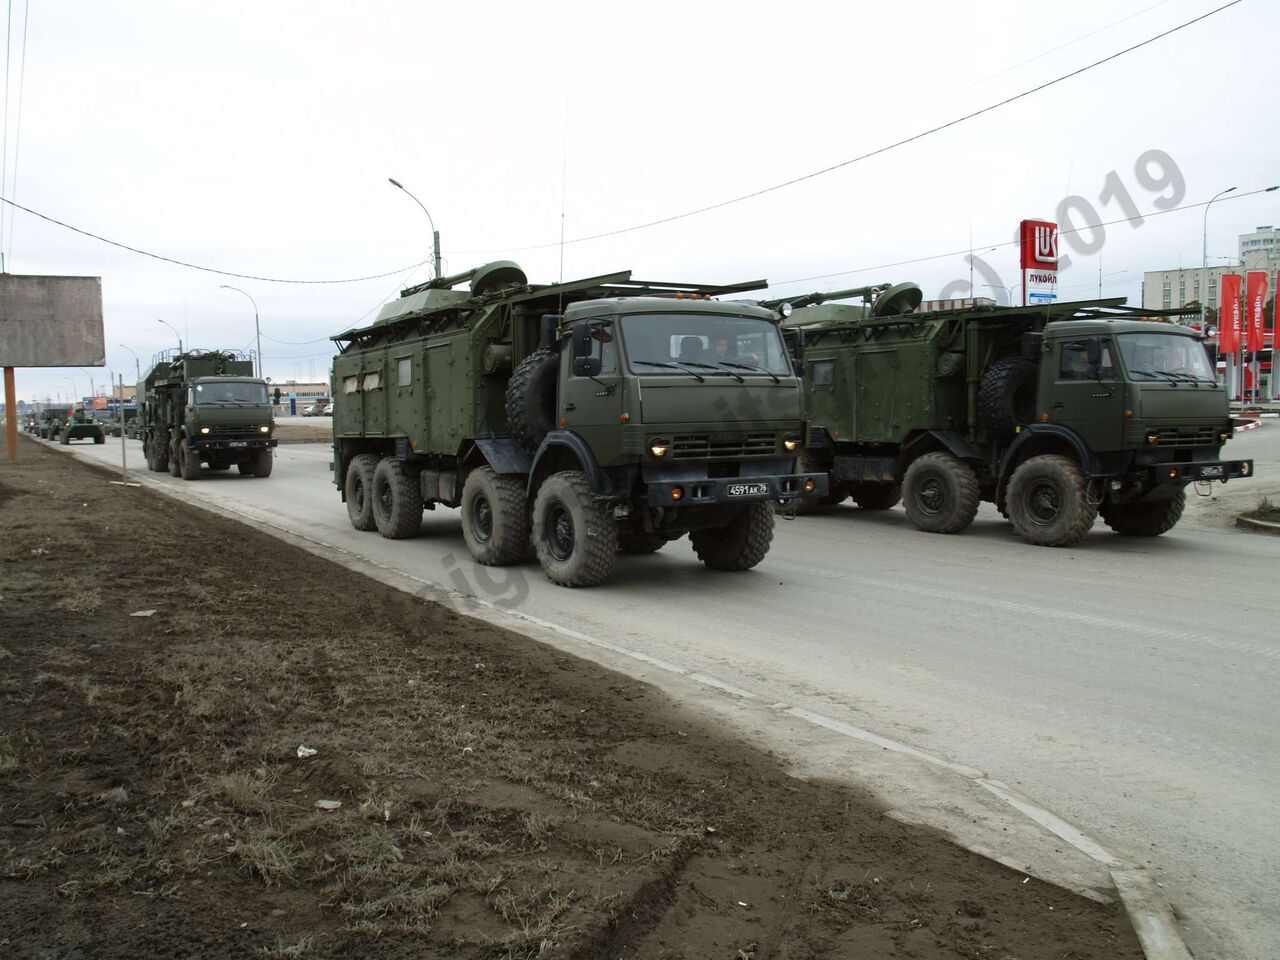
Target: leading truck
1055,413
205,407
571,421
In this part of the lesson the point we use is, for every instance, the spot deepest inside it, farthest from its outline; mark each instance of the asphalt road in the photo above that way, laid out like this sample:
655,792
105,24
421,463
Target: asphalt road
1130,685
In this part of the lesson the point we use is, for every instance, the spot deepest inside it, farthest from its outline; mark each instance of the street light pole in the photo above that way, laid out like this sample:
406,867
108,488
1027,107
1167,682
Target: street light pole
1204,279
435,234
256,328
137,367
174,329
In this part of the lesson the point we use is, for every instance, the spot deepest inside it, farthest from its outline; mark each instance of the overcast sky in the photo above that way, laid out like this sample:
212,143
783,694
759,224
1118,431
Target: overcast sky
258,138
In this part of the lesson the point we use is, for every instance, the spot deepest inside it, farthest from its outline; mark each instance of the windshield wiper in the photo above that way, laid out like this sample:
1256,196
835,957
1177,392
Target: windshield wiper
1155,375
672,366
1188,378
750,366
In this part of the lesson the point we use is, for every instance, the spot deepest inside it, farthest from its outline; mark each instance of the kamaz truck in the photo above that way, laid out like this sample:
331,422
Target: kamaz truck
81,426
50,421
1055,413
205,407
571,421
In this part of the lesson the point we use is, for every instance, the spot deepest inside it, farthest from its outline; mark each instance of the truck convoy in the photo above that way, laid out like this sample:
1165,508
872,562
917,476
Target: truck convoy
571,421
1055,413
81,426
49,422
205,407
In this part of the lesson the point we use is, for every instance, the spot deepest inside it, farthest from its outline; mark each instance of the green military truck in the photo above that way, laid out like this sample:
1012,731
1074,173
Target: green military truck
1055,413
81,426
571,421
50,421
205,407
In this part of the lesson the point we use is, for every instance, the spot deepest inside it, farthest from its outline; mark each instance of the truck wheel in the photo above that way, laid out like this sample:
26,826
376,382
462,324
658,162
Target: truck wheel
358,489
99,437
495,518
1007,396
640,541
740,544
1144,519
1048,502
262,463
940,493
397,501
188,461
531,398
65,439
575,537
838,490
876,496
175,465
161,452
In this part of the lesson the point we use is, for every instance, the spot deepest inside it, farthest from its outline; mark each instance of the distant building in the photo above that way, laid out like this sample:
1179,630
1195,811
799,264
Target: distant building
1166,289
1260,250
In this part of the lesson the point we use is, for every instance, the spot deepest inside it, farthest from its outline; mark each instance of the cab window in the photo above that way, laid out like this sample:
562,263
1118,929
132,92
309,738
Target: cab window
603,348
1074,361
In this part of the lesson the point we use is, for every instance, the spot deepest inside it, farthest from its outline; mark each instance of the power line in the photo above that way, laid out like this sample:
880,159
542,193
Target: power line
196,266
1011,243
879,150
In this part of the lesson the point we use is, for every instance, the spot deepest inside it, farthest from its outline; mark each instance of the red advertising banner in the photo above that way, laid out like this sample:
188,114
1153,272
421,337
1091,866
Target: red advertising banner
1255,301
1229,314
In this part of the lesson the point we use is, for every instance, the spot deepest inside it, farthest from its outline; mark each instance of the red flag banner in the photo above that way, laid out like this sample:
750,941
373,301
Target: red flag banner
1229,314
1255,300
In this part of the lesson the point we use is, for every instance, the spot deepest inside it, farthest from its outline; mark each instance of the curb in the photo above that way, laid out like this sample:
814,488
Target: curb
1251,425
1261,526
1148,909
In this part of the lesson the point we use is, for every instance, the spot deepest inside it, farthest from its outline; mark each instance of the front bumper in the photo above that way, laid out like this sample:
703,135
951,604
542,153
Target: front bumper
1180,473
234,443
702,492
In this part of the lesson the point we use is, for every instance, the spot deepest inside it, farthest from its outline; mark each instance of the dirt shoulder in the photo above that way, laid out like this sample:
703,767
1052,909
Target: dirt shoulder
497,798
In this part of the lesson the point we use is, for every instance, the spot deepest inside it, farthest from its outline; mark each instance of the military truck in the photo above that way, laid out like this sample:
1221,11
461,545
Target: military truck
50,421
571,421
205,407
1055,413
113,427
81,426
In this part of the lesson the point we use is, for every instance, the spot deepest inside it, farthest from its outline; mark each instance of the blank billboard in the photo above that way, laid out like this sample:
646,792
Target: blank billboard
51,321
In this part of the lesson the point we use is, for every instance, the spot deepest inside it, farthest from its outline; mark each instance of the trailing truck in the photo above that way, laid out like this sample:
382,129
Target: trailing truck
205,407
1055,413
571,421
50,421
81,426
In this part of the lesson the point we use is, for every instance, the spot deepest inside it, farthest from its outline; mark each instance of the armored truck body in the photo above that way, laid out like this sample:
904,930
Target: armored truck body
571,421
50,421
205,407
1055,413
81,426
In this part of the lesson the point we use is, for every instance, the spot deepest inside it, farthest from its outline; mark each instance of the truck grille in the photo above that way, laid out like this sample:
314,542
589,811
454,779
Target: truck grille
242,430
1186,437
720,446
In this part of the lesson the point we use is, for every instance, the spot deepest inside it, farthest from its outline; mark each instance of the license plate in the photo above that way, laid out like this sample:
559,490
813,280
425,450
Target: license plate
1216,470
747,489
237,443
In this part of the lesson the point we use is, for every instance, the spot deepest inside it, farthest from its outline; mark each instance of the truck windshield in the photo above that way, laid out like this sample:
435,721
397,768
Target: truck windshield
710,344
231,391
1164,356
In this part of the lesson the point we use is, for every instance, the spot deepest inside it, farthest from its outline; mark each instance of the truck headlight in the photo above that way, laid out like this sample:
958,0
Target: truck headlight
659,447
264,429
1152,438
791,444
204,429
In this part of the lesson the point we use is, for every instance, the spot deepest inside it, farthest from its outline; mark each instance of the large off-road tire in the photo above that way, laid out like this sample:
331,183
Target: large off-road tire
357,486
174,459
99,437
188,461
740,544
837,490
65,439
575,537
397,500
876,496
1147,519
1007,396
940,493
640,541
262,462
531,398
149,456
1048,501
495,518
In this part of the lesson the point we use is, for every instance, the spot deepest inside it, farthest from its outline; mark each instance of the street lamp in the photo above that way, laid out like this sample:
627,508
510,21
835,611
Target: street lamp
174,329
1008,291
137,364
435,234
256,328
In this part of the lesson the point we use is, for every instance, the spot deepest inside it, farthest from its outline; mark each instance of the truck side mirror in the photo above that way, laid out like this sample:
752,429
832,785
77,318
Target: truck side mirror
797,352
1093,352
1031,346
584,364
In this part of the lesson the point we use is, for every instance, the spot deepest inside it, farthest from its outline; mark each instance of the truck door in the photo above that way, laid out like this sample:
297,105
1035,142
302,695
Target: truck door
1083,390
592,406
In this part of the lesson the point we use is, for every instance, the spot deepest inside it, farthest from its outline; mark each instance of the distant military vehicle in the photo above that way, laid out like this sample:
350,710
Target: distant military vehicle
81,426
50,421
205,406
571,421
113,427
1055,413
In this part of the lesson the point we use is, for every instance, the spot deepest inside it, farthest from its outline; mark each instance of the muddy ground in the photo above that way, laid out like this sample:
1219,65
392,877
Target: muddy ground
497,798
